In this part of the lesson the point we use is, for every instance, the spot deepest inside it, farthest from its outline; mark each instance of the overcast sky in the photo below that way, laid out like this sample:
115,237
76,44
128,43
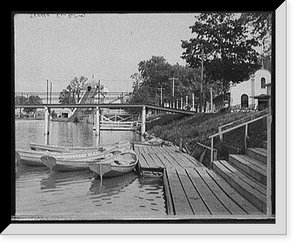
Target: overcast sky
108,46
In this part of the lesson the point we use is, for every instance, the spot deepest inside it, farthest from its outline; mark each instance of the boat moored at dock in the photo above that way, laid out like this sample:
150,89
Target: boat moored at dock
72,149
30,157
116,165
70,162
33,157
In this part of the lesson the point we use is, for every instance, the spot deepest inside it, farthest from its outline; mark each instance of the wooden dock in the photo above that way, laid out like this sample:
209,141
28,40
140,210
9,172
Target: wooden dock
190,188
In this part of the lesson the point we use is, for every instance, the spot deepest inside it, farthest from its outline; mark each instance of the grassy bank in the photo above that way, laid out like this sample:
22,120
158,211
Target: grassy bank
199,127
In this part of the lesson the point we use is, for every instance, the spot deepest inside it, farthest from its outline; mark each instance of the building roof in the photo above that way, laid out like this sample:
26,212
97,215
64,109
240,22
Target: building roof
262,96
66,110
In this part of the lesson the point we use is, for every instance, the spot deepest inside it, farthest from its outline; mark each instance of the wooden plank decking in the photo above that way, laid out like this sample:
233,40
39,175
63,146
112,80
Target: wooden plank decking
190,188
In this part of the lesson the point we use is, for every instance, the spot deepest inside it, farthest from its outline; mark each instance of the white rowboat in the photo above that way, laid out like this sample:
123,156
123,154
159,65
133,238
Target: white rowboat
65,149
72,163
115,166
33,158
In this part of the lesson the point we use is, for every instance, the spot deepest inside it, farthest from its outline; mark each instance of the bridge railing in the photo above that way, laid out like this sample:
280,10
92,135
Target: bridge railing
105,105
183,103
54,97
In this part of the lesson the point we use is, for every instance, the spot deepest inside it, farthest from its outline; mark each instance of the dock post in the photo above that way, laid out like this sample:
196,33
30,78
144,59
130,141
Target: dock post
47,125
143,125
97,121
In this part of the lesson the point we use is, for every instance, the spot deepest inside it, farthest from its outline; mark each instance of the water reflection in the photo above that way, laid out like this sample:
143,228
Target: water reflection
56,178
24,171
79,194
67,134
111,186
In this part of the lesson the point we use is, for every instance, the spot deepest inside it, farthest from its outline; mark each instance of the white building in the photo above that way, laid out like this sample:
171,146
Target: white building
242,94
65,113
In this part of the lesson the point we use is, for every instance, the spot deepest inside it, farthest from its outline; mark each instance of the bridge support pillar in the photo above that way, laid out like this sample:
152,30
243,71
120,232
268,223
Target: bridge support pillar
97,121
143,122
47,125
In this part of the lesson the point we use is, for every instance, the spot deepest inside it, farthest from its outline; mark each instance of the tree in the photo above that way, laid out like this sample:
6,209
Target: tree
223,44
32,100
155,74
76,85
138,80
67,96
259,25
19,100
152,75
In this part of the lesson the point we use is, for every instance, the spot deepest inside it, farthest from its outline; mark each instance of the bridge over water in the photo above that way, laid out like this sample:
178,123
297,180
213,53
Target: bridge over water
143,108
93,97
109,106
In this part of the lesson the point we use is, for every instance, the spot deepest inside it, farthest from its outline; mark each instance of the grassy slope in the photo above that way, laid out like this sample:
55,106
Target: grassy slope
200,126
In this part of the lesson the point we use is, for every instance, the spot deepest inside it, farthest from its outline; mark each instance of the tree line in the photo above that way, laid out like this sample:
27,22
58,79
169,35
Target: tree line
28,100
226,47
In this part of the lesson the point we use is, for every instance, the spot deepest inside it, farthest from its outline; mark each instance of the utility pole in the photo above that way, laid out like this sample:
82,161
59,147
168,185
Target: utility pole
50,91
161,99
201,84
172,78
262,55
21,103
99,88
193,102
143,124
211,99
47,91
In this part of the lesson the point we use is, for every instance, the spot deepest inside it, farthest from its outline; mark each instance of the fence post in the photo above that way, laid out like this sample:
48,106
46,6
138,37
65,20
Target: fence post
47,125
193,102
221,134
143,124
211,100
186,101
180,144
181,103
97,121
212,150
246,137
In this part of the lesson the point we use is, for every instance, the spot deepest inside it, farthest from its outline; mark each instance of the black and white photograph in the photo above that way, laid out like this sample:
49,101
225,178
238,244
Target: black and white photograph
148,118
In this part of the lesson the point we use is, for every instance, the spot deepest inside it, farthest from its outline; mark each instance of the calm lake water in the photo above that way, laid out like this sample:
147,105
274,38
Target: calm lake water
80,195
